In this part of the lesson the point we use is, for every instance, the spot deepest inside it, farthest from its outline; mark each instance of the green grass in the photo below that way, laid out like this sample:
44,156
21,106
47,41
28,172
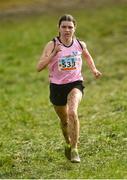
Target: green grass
31,143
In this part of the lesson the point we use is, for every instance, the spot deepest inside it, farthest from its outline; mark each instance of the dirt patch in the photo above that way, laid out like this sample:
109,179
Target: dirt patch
43,6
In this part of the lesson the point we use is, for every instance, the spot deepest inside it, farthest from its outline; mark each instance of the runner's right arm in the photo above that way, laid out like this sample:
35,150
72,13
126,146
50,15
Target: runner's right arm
48,53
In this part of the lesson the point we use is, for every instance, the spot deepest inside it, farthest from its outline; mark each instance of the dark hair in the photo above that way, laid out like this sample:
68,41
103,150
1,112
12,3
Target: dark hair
67,17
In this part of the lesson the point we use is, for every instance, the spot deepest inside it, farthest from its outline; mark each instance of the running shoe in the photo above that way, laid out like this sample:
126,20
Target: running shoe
75,156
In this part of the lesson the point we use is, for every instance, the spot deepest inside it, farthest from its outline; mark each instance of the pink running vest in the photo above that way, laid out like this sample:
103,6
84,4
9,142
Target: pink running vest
66,66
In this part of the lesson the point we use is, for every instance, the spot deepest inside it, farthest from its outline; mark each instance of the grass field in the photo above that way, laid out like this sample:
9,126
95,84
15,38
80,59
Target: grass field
31,143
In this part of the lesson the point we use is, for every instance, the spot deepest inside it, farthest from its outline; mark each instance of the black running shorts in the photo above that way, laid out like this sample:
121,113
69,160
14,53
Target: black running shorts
59,93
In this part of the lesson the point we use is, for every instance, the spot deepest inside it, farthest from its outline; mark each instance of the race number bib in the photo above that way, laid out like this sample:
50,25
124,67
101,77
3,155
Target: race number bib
67,63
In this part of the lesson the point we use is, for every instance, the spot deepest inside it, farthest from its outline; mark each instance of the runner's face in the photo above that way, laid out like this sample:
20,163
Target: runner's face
67,29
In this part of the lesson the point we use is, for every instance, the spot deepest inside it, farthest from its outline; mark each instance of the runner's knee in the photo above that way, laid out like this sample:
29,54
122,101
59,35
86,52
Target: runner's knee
72,114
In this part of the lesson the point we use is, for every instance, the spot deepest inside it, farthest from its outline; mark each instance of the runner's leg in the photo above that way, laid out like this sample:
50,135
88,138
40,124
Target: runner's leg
74,98
62,112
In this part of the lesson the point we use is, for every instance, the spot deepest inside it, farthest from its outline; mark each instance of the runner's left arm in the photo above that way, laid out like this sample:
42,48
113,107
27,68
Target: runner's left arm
90,61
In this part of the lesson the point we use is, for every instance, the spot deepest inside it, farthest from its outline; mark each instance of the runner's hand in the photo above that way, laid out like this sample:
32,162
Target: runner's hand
57,49
97,73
